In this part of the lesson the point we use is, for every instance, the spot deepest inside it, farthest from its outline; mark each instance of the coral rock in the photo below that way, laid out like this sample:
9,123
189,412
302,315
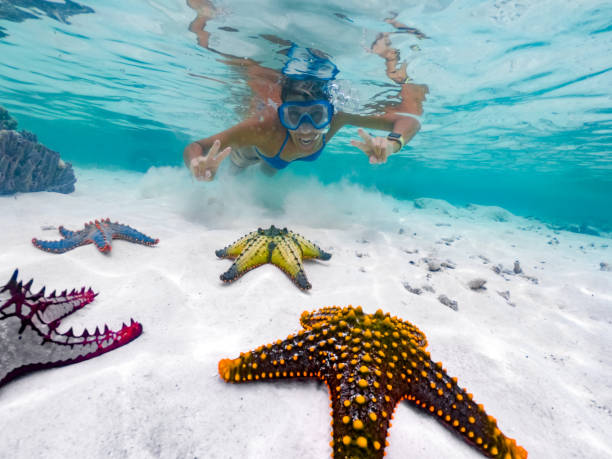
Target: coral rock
26,165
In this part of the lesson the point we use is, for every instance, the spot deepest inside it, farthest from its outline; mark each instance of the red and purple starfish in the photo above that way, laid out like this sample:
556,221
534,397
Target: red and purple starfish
29,336
99,232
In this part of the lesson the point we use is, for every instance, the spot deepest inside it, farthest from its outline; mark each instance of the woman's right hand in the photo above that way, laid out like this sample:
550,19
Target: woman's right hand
204,167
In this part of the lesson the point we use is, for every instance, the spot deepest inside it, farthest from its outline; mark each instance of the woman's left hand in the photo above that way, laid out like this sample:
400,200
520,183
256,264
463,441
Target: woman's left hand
378,149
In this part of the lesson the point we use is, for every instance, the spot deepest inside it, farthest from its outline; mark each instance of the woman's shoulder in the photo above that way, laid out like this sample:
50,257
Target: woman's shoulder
263,129
264,119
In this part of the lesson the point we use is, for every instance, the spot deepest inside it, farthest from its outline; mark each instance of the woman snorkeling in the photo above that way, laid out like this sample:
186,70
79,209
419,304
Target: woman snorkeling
302,118
299,129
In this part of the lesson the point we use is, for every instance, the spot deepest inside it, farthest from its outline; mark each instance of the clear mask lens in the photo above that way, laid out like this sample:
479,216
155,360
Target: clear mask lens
293,114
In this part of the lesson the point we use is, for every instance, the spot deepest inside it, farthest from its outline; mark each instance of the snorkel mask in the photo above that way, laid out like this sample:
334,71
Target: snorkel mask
306,65
318,112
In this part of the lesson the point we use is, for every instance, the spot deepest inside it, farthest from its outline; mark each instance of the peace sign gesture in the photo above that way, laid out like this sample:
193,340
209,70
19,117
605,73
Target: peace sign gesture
205,167
378,149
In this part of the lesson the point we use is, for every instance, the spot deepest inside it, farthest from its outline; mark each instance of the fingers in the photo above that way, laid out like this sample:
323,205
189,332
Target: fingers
379,152
221,156
362,146
202,169
378,149
205,167
214,149
367,138
214,155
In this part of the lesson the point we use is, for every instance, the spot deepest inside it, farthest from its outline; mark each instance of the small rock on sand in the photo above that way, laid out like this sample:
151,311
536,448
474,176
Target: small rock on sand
433,265
605,266
415,290
506,296
446,301
477,284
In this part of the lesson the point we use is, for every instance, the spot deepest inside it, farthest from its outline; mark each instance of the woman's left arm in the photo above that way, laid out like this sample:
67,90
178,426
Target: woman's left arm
401,128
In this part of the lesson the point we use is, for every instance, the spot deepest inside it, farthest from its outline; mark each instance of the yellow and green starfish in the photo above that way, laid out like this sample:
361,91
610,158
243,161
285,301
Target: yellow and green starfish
371,362
281,247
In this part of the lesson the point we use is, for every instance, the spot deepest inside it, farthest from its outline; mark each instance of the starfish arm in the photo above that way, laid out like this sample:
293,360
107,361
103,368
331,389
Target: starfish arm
308,248
125,232
17,299
66,233
29,334
431,389
294,357
287,257
13,288
61,246
255,254
327,314
361,410
359,424
235,249
100,235
36,346
309,319
56,307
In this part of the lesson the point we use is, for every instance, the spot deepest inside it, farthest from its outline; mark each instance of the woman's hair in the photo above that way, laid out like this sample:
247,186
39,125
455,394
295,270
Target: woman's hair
313,89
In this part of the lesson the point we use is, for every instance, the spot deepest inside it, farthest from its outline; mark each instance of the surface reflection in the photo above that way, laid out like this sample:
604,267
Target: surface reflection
21,10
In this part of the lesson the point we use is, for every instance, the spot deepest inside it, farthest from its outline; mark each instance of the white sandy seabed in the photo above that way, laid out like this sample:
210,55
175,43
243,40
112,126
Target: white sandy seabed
534,347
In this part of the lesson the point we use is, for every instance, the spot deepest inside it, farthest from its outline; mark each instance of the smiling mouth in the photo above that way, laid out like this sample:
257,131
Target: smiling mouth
307,141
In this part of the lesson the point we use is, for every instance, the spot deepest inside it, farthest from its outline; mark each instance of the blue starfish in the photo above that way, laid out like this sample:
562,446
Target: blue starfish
29,330
101,233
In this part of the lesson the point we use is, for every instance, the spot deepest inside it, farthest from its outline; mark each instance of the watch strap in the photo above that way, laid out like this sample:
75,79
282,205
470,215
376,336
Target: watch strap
395,137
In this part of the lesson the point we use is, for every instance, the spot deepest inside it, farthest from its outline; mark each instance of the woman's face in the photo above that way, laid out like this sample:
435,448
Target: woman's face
306,136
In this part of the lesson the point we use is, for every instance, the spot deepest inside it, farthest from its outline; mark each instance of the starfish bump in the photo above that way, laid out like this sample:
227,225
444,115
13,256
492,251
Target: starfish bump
281,247
29,336
371,362
99,232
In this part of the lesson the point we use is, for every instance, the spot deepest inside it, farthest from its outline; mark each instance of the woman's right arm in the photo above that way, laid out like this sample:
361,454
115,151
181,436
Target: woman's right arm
203,157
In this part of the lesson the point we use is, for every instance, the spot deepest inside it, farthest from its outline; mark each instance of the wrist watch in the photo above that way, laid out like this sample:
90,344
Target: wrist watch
396,137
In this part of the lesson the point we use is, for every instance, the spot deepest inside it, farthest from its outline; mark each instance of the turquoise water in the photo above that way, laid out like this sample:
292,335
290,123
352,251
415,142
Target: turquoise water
518,113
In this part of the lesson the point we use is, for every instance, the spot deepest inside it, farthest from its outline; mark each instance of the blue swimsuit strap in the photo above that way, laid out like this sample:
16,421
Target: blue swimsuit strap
278,163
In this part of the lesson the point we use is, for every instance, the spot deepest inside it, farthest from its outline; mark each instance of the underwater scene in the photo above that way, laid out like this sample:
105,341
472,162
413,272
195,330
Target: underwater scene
271,229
